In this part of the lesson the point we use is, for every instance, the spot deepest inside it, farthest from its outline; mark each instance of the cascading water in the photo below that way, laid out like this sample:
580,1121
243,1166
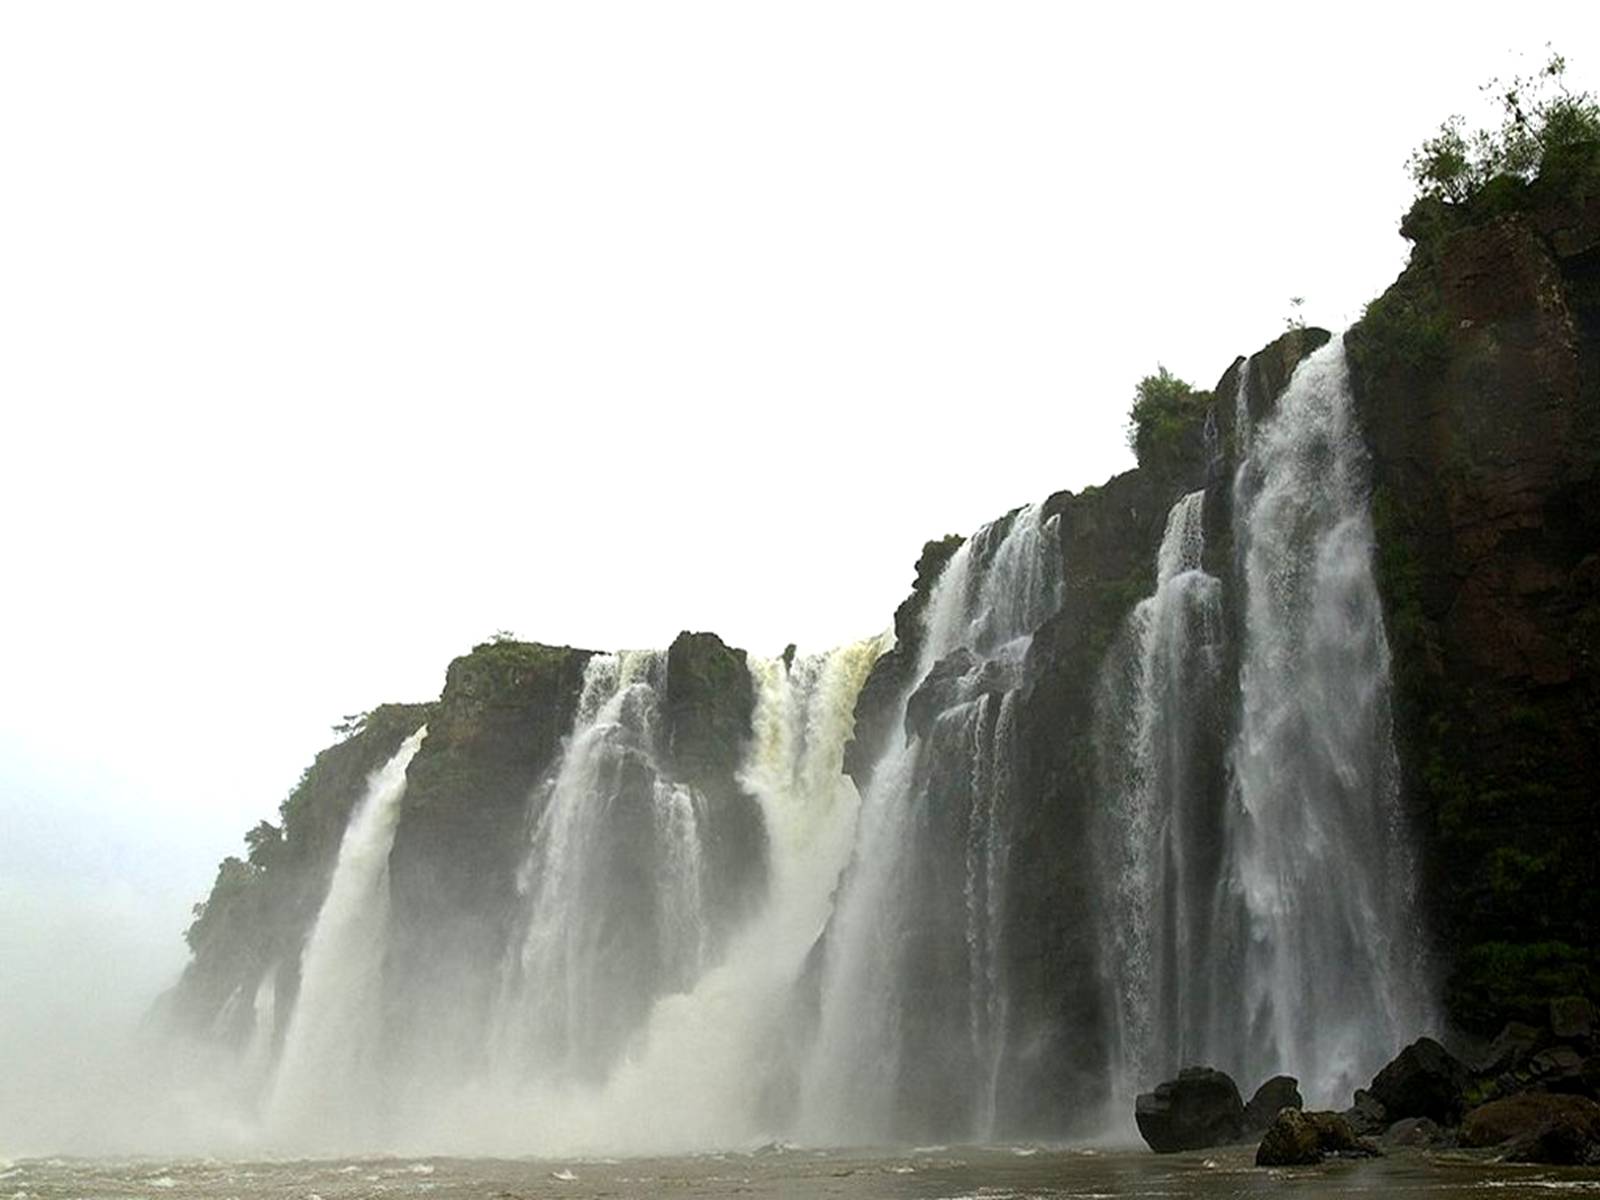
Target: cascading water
1260,912
716,1064
613,887
912,1013
696,956
327,1072
1156,739
1318,868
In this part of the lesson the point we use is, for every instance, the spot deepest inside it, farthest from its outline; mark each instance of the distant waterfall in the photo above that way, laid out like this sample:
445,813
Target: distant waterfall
1318,867
327,1074
613,885
1157,739
913,1000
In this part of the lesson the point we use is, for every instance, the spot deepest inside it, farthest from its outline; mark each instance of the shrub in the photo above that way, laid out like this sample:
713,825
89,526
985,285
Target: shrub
1164,409
1544,126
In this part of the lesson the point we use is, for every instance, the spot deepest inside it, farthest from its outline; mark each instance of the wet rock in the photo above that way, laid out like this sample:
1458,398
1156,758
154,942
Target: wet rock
941,689
1298,1138
1537,1127
1367,1115
1558,1069
1418,1133
1514,1045
1277,1093
707,707
1290,1141
1200,1108
1424,1080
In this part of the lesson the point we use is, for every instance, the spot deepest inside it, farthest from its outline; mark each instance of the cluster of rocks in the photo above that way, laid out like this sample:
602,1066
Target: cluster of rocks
1530,1096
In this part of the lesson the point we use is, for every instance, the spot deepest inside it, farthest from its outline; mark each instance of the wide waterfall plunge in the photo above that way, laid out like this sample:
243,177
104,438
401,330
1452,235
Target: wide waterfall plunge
1010,928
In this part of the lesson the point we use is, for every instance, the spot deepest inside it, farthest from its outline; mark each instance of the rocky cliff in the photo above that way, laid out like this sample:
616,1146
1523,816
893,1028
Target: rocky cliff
1478,380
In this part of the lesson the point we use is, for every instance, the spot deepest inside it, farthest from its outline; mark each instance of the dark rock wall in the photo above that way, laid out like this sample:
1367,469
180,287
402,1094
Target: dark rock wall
260,909
1477,377
496,732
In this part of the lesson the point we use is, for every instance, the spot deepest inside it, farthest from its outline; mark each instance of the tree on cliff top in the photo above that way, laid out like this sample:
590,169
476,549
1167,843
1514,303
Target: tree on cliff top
1544,126
1164,408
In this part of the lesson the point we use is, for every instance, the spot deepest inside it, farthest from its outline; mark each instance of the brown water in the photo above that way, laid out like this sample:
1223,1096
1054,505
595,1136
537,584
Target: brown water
957,1173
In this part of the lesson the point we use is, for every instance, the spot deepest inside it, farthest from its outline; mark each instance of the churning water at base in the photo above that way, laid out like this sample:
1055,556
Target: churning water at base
327,1072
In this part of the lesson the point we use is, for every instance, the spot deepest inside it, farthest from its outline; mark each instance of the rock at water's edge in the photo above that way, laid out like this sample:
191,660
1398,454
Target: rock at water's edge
1200,1108
1424,1080
1297,1139
1276,1094
1537,1127
1367,1115
1290,1141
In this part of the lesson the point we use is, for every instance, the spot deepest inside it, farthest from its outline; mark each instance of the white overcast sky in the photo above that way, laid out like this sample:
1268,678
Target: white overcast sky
334,337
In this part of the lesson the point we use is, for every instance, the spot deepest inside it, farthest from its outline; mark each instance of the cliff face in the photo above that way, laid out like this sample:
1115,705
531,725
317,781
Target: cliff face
1478,380
475,790
260,909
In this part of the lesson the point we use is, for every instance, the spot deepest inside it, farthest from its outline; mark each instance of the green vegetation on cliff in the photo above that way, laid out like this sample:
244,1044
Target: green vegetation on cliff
1166,420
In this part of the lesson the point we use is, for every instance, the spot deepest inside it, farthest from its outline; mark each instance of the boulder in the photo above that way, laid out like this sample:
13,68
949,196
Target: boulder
1418,1133
1335,1136
1537,1127
1277,1093
1559,1069
1290,1141
1367,1115
1297,1138
1200,1108
1514,1045
1424,1080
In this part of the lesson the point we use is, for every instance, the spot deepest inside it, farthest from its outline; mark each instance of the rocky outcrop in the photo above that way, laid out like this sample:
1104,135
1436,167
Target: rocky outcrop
1278,1093
1424,1080
1477,378
892,674
707,707
261,907
1537,1127
1297,1139
1367,1114
1200,1108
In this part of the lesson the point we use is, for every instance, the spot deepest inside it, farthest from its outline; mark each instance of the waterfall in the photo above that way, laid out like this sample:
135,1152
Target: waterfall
999,931
911,1022
1318,869
1156,730
716,1064
613,886
327,1072
1258,906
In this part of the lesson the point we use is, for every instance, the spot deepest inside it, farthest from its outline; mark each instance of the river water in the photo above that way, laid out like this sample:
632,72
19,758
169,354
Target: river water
934,1173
